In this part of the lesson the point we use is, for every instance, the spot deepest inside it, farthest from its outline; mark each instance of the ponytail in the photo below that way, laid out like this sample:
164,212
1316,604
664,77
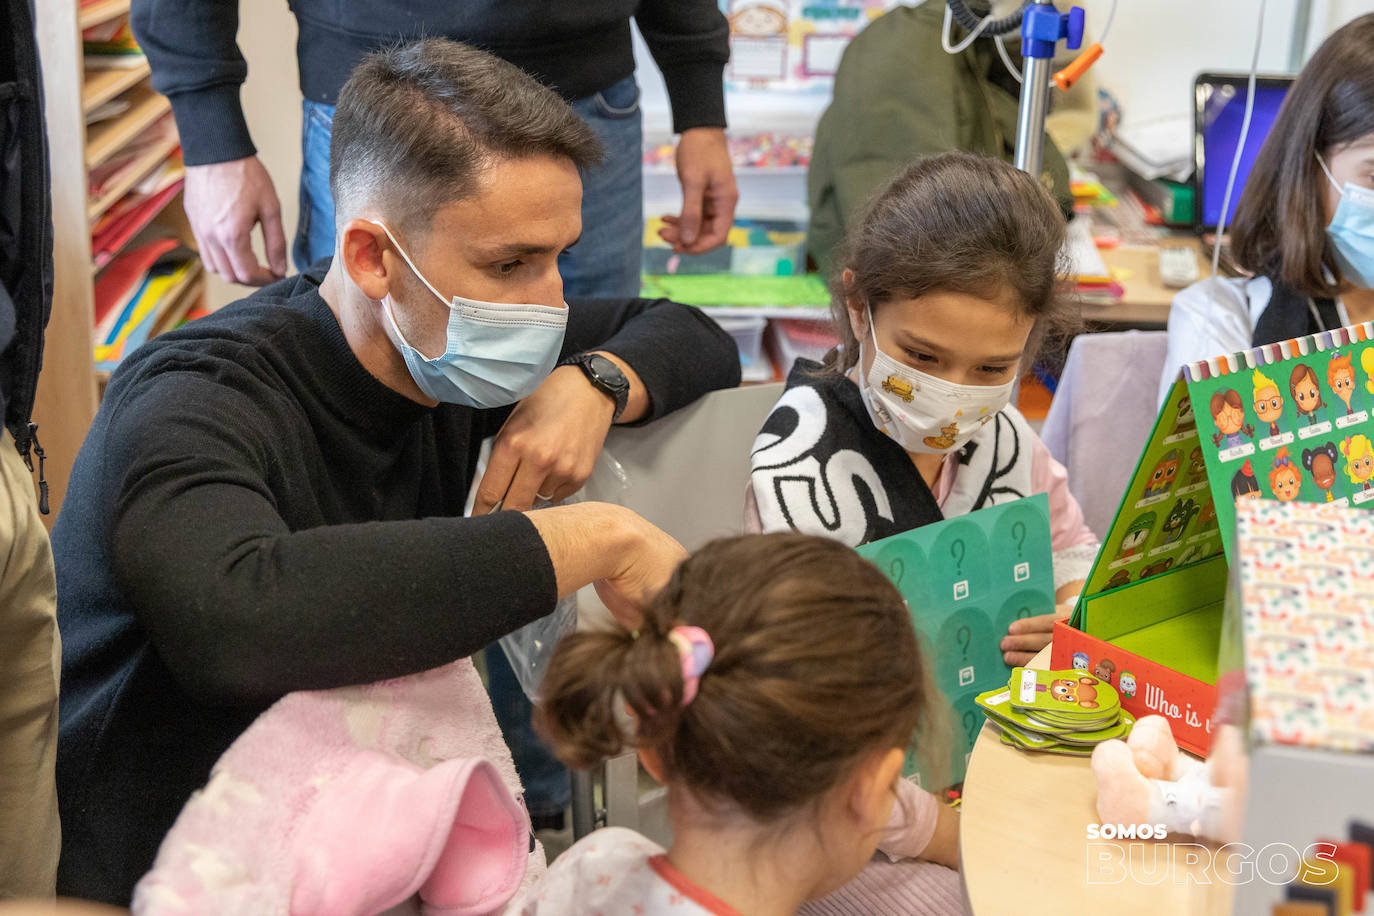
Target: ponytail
591,674
776,640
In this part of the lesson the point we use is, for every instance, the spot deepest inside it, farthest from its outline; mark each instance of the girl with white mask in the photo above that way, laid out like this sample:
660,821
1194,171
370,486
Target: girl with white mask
1302,240
945,288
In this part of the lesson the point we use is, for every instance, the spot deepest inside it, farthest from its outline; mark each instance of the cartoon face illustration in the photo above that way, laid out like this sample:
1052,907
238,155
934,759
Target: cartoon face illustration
1268,402
1197,467
758,21
1244,485
1126,684
1227,411
1119,578
1340,375
900,387
1104,670
1321,464
1284,478
1207,518
1163,475
1080,661
1307,395
1176,522
946,440
1185,419
1157,567
1083,692
1137,535
1359,459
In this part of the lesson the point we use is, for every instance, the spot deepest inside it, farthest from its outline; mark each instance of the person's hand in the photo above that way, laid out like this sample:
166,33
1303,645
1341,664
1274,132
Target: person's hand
643,571
549,444
224,201
709,194
1027,636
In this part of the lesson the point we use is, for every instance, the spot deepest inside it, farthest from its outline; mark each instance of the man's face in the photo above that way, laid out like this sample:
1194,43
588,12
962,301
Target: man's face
501,244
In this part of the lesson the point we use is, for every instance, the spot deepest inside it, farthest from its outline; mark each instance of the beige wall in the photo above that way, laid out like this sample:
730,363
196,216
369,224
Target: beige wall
272,102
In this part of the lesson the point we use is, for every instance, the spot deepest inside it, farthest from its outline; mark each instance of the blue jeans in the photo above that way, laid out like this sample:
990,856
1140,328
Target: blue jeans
605,263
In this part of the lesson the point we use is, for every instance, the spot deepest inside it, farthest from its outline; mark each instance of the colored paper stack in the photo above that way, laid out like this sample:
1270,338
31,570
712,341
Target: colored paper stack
1058,712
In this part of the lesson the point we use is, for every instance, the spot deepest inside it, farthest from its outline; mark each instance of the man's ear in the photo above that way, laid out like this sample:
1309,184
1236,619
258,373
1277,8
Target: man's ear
362,246
870,791
854,304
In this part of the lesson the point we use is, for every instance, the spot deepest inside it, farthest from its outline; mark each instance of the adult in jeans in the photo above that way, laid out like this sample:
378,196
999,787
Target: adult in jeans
271,498
581,49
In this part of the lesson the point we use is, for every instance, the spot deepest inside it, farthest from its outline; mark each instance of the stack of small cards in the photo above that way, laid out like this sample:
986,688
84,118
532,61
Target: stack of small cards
1059,712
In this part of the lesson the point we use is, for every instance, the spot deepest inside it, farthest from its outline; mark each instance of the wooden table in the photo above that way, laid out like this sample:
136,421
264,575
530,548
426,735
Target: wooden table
1146,300
1024,848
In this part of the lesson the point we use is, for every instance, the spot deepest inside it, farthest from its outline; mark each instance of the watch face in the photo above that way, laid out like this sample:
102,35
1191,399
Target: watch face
606,371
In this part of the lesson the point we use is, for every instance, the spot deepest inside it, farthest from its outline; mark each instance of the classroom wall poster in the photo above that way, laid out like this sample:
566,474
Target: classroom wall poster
792,44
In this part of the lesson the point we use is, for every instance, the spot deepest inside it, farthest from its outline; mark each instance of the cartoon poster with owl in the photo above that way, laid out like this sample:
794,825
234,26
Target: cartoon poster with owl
792,44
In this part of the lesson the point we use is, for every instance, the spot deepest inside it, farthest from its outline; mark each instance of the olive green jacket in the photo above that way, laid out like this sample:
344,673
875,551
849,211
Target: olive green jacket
899,96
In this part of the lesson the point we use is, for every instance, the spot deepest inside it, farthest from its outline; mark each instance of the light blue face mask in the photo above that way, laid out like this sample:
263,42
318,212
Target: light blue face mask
1352,232
496,354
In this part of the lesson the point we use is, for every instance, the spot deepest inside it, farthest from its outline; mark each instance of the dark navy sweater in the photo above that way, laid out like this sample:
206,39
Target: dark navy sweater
254,513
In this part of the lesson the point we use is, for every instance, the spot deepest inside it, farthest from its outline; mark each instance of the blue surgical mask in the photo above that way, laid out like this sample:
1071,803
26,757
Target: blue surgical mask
1352,232
496,354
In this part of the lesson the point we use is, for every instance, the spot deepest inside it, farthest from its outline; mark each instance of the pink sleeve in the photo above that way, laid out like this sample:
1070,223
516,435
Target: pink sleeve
1067,527
912,823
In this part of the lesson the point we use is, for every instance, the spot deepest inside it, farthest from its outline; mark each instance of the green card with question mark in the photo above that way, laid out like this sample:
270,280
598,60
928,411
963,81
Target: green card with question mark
966,579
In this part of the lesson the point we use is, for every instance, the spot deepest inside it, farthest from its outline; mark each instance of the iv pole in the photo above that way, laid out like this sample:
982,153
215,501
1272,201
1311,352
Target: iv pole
1042,26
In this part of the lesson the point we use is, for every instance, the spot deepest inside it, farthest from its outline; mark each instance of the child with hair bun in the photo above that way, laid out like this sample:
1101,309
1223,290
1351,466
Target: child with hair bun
774,687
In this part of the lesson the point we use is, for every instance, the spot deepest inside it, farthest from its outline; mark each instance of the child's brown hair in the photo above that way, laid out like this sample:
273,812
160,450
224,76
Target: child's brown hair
816,665
960,223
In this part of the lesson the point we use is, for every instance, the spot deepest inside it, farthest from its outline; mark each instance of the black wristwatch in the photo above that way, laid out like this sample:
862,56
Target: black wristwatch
606,376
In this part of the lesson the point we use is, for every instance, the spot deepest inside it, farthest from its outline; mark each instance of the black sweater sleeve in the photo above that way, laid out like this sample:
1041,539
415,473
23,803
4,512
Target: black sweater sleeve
194,54
678,352
690,42
241,609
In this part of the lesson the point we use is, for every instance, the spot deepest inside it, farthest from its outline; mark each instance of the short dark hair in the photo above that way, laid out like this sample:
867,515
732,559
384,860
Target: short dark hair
1280,226
416,123
962,223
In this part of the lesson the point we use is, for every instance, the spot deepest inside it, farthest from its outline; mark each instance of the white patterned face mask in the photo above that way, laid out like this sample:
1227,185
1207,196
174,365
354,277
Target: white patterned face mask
924,413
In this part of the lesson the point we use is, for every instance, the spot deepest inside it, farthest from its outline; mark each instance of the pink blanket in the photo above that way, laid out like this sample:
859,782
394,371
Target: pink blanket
352,801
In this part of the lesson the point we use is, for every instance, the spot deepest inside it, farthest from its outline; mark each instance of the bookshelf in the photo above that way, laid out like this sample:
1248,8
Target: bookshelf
69,387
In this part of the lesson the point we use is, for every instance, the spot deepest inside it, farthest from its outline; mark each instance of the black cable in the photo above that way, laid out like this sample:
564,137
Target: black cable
969,20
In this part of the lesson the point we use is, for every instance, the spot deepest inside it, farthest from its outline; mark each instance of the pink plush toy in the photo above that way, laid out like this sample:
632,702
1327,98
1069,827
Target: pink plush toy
1146,780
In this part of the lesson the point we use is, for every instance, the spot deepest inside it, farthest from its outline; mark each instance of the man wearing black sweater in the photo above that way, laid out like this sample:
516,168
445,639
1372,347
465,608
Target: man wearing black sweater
271,498
581,49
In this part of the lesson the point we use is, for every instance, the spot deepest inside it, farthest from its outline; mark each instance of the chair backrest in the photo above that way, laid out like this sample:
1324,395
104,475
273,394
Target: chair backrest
1102,413
687,472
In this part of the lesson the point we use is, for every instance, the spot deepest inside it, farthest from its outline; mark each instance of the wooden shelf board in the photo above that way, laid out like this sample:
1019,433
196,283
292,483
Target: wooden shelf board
101,85
106,138
174,201
177,301
137,172
104,11
181,300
